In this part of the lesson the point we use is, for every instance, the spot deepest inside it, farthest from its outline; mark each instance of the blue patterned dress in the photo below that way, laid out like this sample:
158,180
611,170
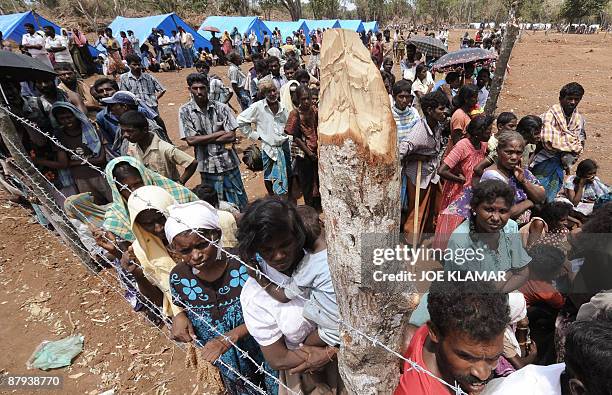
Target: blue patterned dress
217,304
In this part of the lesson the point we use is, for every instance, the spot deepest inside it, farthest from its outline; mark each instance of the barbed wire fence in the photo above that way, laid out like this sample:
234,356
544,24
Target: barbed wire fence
39,183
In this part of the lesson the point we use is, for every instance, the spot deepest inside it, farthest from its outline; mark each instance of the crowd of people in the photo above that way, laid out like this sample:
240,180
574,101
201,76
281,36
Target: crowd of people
247,279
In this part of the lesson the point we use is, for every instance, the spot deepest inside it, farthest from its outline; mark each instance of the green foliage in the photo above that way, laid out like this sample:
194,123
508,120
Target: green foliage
575,10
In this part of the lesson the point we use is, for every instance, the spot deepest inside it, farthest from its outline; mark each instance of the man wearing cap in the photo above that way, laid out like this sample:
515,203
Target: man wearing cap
143,85
117,105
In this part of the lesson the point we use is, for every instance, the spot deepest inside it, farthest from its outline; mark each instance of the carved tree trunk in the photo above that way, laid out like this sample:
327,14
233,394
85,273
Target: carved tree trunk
512,30
360,189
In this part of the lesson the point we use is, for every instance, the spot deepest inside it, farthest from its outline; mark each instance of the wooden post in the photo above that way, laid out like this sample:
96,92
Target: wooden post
44,193
359,174
512,31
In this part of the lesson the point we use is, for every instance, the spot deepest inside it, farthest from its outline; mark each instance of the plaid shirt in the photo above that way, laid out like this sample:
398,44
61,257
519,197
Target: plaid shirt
560,135
145,88
212,158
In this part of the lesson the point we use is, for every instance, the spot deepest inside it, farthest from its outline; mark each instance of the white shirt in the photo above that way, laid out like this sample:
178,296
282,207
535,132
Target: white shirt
269,127
267,319
530,380
56,42
312,280
34,39
187,40
483,95
163,40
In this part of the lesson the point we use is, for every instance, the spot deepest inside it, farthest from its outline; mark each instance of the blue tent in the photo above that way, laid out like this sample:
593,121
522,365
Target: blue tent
352,24
167,22
244,24
287,28
373,26
321,24
11,26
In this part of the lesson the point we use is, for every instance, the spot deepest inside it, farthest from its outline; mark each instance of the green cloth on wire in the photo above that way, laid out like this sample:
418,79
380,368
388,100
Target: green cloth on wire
117,219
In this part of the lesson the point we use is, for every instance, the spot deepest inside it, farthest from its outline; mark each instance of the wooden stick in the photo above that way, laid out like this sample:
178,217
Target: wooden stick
417,203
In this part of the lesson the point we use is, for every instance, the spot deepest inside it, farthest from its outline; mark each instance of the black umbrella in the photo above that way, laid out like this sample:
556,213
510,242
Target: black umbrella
462,56
430,46
17,67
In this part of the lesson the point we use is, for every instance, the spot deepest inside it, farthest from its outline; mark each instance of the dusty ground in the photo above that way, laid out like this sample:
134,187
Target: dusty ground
41,281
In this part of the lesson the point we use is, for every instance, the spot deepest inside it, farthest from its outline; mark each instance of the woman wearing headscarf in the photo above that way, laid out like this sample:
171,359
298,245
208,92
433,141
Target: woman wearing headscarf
80,53
148,210
226,42
207,283
125,174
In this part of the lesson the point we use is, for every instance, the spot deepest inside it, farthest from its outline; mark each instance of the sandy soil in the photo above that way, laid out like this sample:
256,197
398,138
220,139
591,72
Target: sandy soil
46,294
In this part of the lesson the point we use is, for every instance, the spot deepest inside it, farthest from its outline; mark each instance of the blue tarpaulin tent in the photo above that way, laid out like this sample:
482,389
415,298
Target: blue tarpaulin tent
373,26
11,26
167,22
287,28
352,24
314,24
244,24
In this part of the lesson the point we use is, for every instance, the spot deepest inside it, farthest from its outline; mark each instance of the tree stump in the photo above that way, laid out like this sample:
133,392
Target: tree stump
359,174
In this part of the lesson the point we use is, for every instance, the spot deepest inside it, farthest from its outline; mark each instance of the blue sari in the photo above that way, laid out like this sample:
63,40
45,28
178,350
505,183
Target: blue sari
550,175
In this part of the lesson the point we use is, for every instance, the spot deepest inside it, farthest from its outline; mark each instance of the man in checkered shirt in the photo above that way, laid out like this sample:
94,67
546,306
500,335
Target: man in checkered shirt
210,127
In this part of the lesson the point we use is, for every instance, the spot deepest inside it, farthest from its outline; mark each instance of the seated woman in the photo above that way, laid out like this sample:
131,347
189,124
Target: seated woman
490,231
458,167
583,189
208,285
273,238
124,175
148,209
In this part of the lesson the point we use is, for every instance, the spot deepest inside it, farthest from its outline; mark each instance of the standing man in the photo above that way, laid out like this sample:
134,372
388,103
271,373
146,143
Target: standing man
35,44
210,127
57,46
187,42
266,43
563,137
143,85
238,81
163,42
270,118
135,43
70,83
423,143
153,39
482,81
177,48
274,68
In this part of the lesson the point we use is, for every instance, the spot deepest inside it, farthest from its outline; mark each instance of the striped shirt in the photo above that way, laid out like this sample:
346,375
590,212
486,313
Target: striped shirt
146,87
236,76
193,121
404,120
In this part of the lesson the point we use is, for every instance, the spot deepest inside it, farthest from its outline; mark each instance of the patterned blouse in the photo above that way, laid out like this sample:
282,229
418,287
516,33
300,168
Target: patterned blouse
217,305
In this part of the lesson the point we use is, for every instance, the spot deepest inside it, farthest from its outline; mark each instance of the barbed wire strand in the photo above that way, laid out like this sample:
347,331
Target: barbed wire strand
375,342
241,353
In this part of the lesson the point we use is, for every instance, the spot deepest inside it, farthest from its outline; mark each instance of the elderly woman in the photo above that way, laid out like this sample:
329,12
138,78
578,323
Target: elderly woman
270,117
148,209
272,236
207,283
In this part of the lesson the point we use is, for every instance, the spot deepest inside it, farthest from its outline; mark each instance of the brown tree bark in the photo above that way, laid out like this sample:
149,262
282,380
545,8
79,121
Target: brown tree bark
360,191
512,30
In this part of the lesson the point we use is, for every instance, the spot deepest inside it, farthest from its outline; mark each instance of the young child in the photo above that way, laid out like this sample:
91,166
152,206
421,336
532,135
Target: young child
154,153
585,187
550,227
312,279
545,266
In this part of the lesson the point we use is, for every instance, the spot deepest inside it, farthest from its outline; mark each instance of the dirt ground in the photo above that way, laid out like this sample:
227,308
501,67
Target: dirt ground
46,294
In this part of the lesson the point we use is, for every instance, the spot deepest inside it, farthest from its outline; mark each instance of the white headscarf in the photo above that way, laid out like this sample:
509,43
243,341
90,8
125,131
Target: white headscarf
194,215
518,311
